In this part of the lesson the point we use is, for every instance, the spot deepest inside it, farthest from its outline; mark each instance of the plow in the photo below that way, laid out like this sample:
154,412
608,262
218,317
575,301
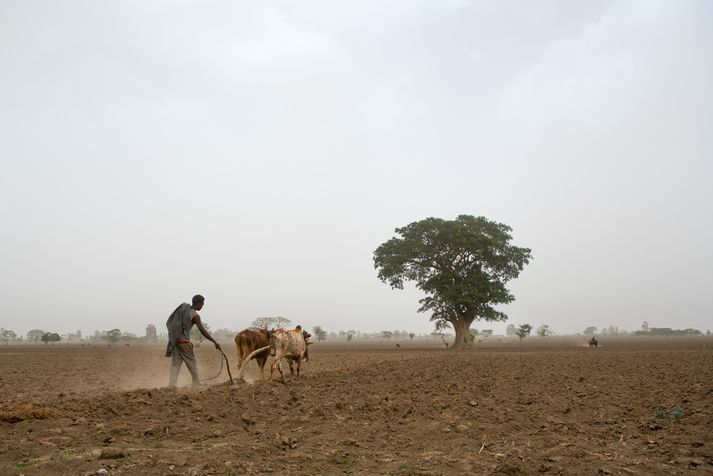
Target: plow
224,363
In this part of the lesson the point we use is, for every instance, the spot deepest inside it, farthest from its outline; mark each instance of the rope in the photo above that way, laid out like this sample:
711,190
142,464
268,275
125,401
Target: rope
227,366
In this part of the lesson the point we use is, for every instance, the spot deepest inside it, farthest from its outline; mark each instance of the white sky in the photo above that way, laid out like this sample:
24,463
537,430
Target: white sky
259,152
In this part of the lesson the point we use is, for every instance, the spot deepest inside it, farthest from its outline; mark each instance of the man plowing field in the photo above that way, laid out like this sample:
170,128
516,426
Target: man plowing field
179,347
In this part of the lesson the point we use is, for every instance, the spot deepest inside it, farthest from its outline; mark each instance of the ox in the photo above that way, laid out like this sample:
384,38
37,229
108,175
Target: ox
247,342
290,345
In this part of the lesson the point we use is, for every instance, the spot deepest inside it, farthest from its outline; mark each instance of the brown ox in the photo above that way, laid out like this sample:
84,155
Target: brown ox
290,345
247,342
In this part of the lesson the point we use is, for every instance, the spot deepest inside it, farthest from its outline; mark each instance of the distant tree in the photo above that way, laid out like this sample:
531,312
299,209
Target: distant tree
487,332
196,335
474,333
667,331
411,336
387,335
270,322
613,330
461,265
35,335
74,337
319,333
151,333
544,331
51,337
112,336
589,331
523,331
510,330
350,335
7,335
645,326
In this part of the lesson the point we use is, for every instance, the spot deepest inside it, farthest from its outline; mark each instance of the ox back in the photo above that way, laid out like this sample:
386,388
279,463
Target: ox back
248,341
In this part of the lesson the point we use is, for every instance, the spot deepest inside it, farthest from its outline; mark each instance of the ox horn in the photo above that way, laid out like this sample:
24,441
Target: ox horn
249,357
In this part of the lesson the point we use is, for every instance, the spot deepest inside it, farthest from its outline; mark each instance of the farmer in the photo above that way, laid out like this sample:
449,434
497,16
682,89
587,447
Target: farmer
179,347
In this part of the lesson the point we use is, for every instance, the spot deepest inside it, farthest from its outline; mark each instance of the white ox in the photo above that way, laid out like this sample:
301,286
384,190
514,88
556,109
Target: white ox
290,345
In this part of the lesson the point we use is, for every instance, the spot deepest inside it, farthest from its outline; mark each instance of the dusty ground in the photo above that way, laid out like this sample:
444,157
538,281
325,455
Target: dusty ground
552,407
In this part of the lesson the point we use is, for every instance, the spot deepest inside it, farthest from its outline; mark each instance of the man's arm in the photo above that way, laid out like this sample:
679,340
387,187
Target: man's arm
206,334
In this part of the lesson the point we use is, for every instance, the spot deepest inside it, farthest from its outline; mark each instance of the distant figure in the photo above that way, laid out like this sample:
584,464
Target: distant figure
397,345
593,342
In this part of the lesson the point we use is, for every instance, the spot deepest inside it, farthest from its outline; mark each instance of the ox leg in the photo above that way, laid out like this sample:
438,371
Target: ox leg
240,359
276,364
299,364
262,371
261,363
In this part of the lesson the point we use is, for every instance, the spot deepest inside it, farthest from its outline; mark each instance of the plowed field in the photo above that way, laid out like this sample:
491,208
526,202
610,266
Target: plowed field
633,406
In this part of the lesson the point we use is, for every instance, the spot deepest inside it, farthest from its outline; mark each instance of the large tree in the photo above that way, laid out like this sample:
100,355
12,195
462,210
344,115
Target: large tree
461,265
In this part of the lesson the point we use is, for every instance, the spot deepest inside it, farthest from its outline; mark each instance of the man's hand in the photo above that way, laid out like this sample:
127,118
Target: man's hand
217,346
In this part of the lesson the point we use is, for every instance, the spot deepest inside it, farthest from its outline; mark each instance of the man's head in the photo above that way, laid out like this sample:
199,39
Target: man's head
198,302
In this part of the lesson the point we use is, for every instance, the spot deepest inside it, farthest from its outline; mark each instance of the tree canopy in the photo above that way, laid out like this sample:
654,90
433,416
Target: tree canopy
271,322
35,335
51,337
7,335
112,336
151,334
461,265
544,330
319,333
523,331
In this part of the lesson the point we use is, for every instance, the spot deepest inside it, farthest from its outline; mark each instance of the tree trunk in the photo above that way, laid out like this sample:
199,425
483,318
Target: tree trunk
462,327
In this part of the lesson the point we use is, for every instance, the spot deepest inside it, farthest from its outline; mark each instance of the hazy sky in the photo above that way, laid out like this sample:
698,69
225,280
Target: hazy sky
259,152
